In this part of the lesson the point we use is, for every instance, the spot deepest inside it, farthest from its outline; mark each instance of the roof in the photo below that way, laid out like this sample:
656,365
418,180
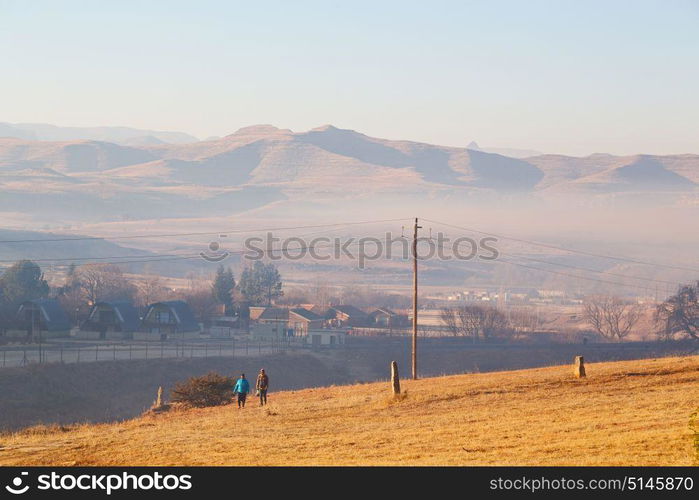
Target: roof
55,317
127,313
350,311
383,310
187,321
306,314
274,313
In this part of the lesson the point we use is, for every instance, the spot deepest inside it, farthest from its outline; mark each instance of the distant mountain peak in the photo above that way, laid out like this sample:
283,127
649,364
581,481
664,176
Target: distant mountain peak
325,128
473,145
262,129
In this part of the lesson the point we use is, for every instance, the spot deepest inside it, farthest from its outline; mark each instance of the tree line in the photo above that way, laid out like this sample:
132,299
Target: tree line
611,317
259,284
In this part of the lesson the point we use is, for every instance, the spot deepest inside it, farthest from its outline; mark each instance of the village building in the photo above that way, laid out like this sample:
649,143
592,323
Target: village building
345,315
168,320
43,318
110,320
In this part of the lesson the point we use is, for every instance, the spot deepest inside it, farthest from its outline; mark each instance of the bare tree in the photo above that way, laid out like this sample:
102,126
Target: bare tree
450,320
150,290
611,317
103,282
679,314
475,321
201,301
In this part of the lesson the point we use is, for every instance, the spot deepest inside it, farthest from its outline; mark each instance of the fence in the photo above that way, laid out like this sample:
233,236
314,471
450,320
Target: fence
73,352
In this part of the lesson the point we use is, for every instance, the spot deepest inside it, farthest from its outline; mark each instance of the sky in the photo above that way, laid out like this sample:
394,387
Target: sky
569,77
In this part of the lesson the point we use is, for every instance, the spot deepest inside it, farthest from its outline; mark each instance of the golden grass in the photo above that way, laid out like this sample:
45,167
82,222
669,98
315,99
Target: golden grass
624,413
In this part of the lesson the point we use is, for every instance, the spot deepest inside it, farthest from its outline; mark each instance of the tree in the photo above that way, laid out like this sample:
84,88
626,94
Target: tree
261,283
475,321
450,320
223,286
679,315
201,301
150,290
22,281
103,282
611,317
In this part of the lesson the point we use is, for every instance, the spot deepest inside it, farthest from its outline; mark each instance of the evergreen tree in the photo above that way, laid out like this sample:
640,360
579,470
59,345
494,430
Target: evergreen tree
261,283
23,281
223,286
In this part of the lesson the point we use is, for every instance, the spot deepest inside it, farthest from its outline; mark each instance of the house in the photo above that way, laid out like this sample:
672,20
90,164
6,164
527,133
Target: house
223,326
325,338
168,320
301,321
345,315
110,320
297,320
388,319
269,332
41,317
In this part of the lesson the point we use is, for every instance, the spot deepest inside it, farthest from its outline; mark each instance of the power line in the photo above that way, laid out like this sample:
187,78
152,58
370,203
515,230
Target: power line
208,233
501,260
564,249
597,271
572,275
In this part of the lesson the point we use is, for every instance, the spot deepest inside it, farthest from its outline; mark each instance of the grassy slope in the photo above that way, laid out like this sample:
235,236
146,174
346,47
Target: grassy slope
624,413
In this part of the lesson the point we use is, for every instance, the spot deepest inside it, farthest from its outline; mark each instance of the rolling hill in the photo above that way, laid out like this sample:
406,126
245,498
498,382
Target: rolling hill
624,413
260,165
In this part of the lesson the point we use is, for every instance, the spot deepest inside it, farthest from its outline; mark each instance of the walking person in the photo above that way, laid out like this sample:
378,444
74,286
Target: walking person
242,387
261,386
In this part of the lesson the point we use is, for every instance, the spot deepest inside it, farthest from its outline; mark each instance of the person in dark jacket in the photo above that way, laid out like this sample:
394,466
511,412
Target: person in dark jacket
261,386
242,387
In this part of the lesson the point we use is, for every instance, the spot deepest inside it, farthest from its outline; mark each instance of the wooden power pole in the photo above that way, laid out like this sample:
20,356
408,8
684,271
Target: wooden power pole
416,227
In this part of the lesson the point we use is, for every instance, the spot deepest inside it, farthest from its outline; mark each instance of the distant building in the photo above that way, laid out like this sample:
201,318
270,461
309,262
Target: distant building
298,320
110,320
326,338
386,318
345,315
168,320
43,317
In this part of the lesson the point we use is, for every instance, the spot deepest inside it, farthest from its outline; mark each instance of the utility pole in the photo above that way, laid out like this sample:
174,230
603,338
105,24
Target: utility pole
415,228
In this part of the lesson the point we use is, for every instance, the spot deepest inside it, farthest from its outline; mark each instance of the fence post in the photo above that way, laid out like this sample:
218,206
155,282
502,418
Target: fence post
114,354
220,351
395,380
579,367
4,353
146,349
61,352
206,350
162,347
97,351
78,355
130,351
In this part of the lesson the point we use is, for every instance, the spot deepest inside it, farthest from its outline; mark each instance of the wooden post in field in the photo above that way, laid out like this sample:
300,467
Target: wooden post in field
395,380
579,367
159,398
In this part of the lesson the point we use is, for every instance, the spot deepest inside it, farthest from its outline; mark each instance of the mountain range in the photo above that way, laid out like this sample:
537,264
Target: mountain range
49,180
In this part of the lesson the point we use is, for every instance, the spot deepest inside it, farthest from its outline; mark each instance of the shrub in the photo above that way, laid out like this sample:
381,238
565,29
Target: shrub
211,389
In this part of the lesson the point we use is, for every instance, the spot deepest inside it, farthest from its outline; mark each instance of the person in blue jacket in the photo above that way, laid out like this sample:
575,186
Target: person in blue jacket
242,387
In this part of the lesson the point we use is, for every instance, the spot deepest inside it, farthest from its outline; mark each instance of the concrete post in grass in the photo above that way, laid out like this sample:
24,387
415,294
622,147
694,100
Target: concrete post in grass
395,380
579,367
159,398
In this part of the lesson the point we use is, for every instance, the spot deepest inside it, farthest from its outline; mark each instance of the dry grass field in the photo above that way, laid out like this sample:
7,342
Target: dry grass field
624,413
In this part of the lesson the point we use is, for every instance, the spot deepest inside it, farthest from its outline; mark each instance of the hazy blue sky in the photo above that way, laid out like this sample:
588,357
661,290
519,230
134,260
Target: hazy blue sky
558,76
